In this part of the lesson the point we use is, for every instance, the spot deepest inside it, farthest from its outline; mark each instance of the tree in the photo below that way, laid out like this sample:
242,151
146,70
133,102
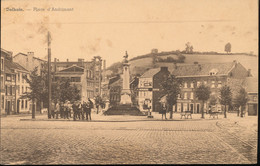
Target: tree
171,87
202,93
189,48
225,97
36,88
228,48
241,99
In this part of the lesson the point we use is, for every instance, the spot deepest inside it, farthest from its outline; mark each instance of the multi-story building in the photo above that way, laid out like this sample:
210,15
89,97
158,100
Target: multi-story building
88,72
115,88
213,75
251,86
29,61
15,86
2,88
149,87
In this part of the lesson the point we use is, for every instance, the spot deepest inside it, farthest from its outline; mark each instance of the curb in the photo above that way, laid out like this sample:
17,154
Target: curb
141,120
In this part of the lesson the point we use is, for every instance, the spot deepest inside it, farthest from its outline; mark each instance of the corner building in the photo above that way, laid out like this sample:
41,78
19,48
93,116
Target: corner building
213,75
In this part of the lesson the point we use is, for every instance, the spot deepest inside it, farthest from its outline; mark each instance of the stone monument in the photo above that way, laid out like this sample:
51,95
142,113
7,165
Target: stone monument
125,107
126,93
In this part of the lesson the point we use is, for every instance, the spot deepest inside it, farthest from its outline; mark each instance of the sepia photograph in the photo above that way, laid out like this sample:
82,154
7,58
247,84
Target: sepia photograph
109,82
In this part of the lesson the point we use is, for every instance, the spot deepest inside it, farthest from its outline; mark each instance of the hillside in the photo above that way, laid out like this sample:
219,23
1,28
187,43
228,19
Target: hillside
140,64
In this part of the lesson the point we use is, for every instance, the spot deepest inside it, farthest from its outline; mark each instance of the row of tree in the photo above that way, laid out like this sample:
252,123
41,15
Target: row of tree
171,88
61,90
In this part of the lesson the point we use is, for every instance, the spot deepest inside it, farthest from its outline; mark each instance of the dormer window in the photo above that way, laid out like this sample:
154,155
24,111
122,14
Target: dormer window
213,72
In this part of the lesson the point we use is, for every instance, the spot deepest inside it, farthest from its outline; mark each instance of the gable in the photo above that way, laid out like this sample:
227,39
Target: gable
73,69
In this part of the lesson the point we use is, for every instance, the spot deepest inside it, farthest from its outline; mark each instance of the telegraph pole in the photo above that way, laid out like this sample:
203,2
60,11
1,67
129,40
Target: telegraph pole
49,75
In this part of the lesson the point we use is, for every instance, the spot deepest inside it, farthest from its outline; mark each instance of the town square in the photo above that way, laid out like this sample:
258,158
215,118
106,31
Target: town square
133,82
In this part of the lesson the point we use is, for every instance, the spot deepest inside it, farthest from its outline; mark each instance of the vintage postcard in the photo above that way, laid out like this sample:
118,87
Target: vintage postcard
129,82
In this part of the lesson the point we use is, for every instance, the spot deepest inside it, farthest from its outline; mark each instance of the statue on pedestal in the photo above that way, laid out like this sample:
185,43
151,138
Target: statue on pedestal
126,93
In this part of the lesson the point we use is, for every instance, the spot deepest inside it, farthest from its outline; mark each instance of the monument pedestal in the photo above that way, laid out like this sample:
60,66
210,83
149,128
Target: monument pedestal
125,107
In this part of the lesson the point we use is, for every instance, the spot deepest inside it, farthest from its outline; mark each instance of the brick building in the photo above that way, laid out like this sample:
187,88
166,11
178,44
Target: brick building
29,61
15,86
251,85
2,88
149,87
115,87
89,73
214,75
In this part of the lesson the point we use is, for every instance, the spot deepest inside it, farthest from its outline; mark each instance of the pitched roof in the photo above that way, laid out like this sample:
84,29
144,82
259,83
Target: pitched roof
203,69
113,79
26,55
73,68
9,65
251,84
150,73
7,52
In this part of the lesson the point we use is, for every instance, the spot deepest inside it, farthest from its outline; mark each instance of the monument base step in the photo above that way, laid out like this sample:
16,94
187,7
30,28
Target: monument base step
124,110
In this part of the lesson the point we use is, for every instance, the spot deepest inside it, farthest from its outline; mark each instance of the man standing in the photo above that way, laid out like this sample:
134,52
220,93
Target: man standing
75,109
57,109
85,110
90,106
66,110
163,109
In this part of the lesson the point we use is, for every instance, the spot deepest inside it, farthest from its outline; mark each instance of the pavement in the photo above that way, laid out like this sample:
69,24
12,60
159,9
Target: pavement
128,140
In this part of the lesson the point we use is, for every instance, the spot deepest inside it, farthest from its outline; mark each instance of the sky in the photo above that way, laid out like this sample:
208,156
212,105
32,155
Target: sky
108,28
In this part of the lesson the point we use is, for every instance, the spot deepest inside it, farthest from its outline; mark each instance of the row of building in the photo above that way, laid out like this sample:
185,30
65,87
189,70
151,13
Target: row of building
214,75
86,75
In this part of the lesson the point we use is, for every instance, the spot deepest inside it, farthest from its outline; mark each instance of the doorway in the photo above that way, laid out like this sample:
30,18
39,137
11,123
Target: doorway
18,106
198,108
191,108
8,108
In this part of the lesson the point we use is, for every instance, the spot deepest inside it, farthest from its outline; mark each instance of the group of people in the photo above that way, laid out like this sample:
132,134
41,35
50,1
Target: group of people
77,110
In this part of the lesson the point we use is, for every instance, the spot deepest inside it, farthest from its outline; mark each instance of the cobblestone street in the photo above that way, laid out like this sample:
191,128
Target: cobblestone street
132,142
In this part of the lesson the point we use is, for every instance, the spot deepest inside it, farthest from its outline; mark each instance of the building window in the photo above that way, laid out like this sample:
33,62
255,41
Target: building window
185,85
2,83
212,84
8,77
22,90
22,78
219,84
198,83
6,90
2,64
191,95
3,99
185,95
13,78
13,90
75,79
192,85
26,103
18,89
179,96
22,104
18,75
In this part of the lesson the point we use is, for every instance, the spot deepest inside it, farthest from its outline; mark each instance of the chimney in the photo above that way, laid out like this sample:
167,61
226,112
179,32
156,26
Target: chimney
30,56
67,60
249,72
